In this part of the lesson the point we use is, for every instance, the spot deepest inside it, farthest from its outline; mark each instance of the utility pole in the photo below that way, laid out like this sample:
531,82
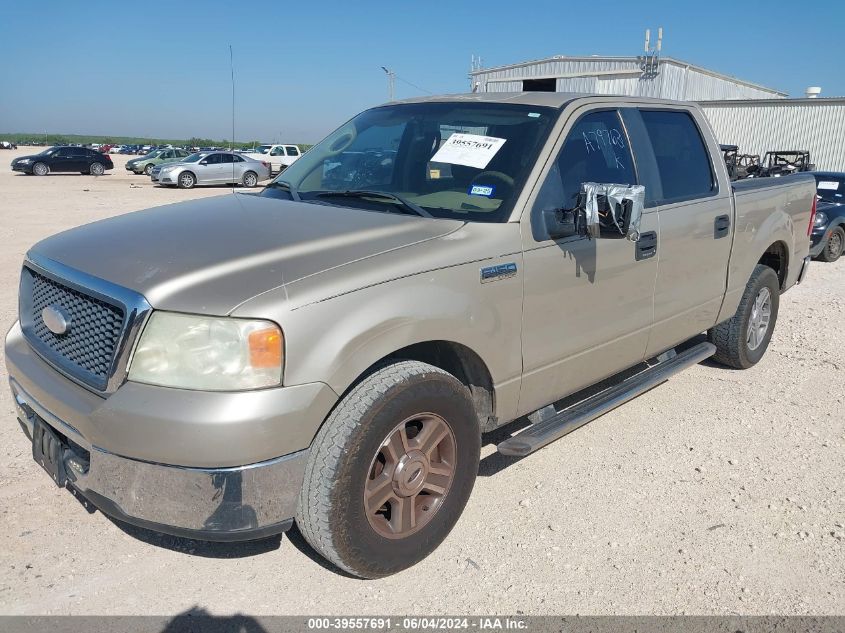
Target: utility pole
391,82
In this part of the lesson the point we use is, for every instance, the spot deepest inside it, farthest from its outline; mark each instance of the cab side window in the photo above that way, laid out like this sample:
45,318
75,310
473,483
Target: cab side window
680,153
595,150
214,159
292,151
277,151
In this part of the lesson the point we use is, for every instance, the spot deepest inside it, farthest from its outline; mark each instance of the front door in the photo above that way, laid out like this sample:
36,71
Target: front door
210,169
588,306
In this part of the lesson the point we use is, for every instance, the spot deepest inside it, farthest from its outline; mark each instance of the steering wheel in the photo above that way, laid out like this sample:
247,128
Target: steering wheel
496,179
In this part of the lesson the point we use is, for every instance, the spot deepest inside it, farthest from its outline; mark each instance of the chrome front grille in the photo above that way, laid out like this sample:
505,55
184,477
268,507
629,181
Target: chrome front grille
100,317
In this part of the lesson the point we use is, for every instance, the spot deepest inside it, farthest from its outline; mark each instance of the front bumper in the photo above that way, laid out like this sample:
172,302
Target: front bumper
173,460
818,240
27,168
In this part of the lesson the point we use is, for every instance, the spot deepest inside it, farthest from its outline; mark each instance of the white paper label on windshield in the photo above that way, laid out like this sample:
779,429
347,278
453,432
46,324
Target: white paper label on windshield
472,150
828,184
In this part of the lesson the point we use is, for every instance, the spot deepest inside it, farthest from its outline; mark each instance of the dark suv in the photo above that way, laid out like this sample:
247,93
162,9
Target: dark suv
64,159
828,237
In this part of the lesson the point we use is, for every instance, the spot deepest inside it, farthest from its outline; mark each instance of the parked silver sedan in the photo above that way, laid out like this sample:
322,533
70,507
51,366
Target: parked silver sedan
211,168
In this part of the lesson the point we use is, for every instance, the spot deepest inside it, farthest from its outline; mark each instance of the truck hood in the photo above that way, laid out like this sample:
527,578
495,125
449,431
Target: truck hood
209,256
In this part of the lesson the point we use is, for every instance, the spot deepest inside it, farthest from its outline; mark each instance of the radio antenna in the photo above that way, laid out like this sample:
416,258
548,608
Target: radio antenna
232,71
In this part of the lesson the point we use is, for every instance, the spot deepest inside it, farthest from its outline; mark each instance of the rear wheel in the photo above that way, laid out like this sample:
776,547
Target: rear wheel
741,341
97,169
391,470
835,244
187,180
250,179
40,169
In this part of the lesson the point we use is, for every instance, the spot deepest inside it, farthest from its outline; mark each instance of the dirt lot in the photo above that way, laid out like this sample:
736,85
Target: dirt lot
719,492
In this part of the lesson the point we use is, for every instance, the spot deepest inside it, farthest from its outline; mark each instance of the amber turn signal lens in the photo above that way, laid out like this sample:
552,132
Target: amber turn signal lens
265,348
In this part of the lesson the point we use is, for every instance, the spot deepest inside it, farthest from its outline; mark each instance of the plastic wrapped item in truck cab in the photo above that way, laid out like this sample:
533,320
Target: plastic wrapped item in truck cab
612,209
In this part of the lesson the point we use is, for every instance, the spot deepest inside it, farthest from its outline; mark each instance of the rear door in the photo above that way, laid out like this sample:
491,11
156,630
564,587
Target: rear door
694,202
588,302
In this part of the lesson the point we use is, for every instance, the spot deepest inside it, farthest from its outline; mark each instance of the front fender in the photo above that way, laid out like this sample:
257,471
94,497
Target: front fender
336,340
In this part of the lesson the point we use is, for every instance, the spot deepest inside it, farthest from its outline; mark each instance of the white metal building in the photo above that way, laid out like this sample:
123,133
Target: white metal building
646,76
756,118
760,125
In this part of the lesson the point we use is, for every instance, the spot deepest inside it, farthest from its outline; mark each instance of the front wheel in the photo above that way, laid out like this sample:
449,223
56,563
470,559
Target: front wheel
187,180
391,470
40,169
743,339
148,169
835,244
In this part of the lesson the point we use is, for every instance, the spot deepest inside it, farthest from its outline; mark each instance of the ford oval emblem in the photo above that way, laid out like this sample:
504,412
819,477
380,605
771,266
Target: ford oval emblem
56,319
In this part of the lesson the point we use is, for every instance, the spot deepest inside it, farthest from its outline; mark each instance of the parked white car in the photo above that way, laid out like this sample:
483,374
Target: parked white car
279,156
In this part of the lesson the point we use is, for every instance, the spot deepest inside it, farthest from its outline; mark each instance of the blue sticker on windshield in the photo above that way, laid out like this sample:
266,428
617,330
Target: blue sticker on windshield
482,190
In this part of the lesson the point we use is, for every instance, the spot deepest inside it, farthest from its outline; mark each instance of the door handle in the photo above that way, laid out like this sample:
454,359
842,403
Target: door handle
646,246
721,226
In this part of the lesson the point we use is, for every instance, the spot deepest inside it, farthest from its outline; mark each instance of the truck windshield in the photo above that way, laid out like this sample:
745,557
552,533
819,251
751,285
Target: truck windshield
830,189
458,160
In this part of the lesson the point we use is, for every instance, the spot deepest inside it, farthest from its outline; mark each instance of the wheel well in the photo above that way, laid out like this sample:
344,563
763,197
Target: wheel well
464,364
776,258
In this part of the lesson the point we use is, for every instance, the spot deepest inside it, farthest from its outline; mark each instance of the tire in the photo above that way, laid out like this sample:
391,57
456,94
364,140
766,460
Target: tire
40,169
148,169
250,179
736,345
835,244
187,180
351,454
96,169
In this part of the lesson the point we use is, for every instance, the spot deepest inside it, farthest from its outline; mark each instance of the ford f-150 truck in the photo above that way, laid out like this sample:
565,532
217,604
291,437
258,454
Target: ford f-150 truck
330,351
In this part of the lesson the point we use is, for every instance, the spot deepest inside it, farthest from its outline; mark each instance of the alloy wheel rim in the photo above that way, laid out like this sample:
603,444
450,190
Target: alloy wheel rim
250,180
186,180
834,243
761,314
410,476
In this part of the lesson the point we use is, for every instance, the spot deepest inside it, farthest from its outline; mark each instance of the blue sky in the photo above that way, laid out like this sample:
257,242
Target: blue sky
301,68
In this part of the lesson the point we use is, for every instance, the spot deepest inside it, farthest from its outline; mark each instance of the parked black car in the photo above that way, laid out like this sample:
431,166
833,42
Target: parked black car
828,236
64,159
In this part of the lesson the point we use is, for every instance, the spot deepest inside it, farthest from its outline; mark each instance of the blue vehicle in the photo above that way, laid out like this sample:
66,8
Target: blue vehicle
828,236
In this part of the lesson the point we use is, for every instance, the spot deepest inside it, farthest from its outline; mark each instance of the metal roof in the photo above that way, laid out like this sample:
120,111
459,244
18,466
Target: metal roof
600,59
548,99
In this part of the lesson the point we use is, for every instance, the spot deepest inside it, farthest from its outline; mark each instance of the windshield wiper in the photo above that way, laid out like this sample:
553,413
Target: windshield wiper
286,186
384,195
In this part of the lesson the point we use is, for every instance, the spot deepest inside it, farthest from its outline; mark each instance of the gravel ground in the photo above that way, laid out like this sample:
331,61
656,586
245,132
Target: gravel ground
719,492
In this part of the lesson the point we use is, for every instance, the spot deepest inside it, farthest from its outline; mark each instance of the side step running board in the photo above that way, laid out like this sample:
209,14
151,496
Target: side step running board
542,433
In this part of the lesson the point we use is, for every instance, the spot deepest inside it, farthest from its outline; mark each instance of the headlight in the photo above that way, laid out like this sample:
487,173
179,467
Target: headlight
24,160
821,219
208,353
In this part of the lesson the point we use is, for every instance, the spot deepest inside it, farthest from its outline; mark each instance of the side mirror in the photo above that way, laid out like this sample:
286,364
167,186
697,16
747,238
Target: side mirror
612,210
203,162
560,223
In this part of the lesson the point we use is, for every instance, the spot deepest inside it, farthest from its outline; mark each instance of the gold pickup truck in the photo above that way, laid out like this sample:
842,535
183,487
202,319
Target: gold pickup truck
330,350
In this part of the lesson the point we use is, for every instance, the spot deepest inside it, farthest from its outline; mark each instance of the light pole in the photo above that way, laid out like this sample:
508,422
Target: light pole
391,82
